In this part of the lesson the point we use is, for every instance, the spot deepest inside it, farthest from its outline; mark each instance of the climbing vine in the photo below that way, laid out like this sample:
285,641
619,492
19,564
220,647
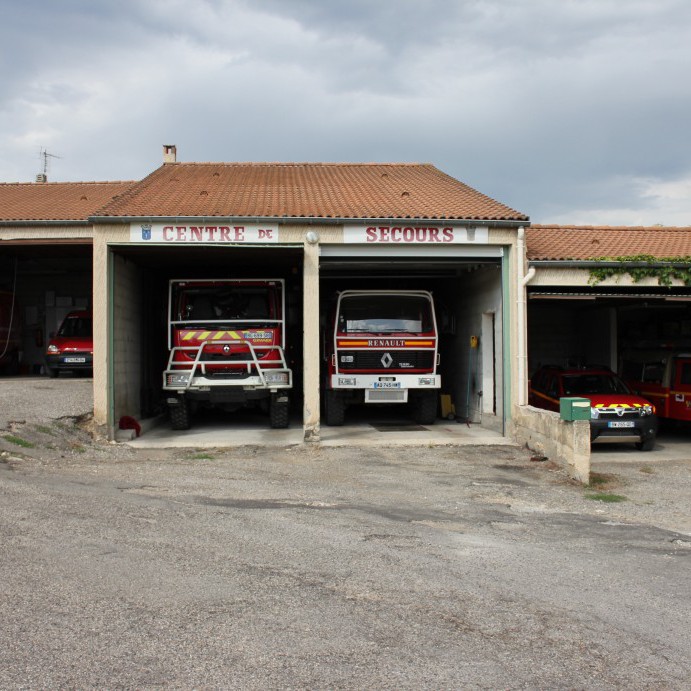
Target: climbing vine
664,269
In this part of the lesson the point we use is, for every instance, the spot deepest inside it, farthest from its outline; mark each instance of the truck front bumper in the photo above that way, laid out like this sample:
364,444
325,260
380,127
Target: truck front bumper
182,381
385,381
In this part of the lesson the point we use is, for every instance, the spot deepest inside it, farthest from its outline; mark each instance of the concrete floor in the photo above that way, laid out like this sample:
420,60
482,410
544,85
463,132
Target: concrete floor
362,428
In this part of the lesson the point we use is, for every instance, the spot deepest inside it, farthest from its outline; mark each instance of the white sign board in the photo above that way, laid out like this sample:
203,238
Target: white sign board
200,234
417,234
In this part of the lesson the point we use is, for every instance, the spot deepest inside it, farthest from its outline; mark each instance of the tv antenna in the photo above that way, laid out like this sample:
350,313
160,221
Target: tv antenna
44,156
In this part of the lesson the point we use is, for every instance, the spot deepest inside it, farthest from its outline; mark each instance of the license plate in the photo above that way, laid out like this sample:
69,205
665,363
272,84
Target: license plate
387,384
75,359
627,423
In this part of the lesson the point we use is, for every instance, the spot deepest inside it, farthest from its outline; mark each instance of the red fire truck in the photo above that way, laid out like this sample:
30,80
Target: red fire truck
663,376
384,349
226,342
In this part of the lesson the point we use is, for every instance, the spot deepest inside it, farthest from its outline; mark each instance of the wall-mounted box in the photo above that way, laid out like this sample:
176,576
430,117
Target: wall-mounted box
571,409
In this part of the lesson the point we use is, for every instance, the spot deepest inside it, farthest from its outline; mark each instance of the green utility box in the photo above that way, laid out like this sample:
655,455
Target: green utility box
574,409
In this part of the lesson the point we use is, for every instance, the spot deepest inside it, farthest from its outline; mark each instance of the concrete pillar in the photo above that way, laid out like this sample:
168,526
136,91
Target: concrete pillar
100,311
311,337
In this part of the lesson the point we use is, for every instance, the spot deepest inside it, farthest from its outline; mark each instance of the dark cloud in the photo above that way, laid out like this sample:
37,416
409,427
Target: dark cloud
559,109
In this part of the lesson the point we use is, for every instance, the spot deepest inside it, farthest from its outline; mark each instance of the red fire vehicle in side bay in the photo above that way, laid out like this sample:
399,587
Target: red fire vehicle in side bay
663,376
383,348
226,342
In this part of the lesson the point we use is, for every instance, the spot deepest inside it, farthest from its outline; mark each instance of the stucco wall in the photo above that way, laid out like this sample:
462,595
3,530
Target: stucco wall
545,433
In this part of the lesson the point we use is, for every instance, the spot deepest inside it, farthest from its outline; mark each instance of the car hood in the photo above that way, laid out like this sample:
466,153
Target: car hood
598,400
73,343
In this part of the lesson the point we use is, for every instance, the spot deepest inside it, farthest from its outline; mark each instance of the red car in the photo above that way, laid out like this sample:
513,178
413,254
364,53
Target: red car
616,414
72,348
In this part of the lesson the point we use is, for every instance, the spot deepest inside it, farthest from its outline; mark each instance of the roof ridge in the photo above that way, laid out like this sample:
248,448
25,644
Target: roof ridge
71,182
315,164
546,226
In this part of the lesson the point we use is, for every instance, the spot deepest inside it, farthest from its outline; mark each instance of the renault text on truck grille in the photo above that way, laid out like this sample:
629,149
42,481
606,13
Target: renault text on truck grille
226,342
383,349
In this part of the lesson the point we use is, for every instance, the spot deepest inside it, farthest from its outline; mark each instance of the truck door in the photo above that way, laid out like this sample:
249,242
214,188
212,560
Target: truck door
680,389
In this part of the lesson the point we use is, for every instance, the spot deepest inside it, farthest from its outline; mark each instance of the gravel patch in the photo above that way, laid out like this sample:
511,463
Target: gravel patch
40,399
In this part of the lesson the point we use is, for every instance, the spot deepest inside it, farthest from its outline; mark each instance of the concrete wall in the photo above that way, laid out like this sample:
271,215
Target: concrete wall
126,339
478,293
545,433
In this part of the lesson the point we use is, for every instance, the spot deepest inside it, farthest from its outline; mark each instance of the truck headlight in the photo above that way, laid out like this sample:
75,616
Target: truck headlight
647,410
178,379
594,413
425,381
276,377
53,349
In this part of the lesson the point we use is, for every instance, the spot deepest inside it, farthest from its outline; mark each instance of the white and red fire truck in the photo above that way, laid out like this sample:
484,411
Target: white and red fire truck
384,349
226,342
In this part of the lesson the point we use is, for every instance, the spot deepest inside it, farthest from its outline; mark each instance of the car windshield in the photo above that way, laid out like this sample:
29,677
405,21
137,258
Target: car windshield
76,327
385,314
583,384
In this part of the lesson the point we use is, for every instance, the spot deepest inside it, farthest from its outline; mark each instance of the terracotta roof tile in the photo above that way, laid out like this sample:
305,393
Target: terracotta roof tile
56,201
299,190
545,242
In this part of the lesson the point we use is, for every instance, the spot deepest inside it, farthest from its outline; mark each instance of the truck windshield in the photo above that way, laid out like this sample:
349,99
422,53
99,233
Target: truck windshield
218,303
385,314
582,384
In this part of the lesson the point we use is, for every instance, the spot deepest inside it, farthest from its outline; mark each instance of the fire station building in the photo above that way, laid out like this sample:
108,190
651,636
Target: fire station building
509,296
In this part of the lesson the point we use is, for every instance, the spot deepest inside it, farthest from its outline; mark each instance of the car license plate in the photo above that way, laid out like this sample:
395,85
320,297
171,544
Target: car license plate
387,384
623,423
75,359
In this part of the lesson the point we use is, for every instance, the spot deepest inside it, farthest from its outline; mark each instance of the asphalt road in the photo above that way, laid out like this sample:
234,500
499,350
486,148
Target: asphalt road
316,568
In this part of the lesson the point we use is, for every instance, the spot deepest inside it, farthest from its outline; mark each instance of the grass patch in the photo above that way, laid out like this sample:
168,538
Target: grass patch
647,470
602,480
598,479
19,441
202,457
606,497
45,430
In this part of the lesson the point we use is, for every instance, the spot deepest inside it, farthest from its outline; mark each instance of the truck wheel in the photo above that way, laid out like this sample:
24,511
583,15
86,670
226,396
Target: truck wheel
425,408
278,414
334,409
180,414
646,444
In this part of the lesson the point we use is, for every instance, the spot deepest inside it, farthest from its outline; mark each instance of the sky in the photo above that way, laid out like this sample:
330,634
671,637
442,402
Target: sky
570,111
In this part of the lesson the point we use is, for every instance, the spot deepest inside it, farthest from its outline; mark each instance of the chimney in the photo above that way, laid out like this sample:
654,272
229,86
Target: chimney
170,152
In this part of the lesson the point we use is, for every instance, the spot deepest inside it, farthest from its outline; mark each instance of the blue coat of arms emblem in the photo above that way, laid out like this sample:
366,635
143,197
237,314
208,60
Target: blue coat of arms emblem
146,231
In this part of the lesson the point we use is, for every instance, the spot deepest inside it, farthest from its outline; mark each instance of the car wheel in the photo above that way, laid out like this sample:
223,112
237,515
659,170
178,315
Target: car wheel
52,372
646,444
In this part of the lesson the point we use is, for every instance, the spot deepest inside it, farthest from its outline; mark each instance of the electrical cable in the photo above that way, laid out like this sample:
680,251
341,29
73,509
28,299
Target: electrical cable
9,327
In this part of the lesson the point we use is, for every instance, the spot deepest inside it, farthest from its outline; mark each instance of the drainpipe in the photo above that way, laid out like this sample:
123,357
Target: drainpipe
521,310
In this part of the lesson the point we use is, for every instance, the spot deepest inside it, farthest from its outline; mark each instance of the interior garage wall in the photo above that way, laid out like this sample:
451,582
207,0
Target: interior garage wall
46,293
477,295
566,333
126,335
